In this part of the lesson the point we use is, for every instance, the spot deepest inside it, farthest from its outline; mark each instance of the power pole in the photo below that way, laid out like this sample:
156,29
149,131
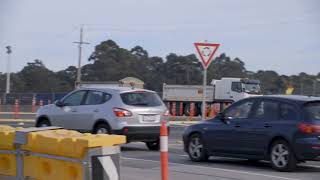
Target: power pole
9,51
80,43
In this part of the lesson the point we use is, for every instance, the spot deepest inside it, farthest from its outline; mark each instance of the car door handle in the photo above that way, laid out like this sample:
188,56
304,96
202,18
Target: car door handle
96,110
74,110
267,126
237,126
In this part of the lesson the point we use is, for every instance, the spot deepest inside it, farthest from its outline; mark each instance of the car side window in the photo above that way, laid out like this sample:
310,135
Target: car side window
239,111
94,98
266,109
74,99
288,112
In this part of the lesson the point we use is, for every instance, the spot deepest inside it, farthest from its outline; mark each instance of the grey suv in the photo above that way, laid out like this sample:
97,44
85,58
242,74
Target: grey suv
136,113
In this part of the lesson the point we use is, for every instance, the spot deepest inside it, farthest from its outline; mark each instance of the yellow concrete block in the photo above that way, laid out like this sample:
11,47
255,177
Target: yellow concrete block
69,143
8,164
50,169
7,136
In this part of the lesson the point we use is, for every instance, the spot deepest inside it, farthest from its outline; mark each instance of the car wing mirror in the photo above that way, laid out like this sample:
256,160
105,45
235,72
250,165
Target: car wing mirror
59,104
223,118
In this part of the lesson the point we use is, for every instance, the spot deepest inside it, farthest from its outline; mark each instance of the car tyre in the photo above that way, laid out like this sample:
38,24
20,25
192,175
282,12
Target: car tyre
282,157
153,146
197,149
102,129
43,123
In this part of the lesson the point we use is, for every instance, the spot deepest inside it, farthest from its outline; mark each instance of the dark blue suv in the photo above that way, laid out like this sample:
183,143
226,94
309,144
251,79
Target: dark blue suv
284,130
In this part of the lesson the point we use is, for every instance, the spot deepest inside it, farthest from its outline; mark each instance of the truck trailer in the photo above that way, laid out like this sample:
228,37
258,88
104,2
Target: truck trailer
220,93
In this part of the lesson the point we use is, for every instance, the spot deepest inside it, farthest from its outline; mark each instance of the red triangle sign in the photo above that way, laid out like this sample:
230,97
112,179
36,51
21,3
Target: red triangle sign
206,52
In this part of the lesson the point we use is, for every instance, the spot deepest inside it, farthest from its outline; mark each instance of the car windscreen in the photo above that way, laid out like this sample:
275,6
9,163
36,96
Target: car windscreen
312,111
141,98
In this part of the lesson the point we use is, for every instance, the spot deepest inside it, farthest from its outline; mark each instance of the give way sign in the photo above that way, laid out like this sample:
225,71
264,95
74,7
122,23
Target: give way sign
206,52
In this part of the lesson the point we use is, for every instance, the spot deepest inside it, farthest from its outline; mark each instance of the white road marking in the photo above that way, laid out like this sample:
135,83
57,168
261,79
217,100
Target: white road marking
219,169
313,166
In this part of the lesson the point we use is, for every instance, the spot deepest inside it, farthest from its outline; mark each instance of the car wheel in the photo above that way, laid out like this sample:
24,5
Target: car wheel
102,129
196,148
43,123
153,146
282,157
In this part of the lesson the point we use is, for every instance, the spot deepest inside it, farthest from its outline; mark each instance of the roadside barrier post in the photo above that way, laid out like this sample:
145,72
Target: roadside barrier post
206,110
164,150
181,109
0,105
33,108
41,103
191,113
16,109
212,113
173,110
168,106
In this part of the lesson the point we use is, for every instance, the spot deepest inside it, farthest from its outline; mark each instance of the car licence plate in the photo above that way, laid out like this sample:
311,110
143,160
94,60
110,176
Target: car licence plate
150,118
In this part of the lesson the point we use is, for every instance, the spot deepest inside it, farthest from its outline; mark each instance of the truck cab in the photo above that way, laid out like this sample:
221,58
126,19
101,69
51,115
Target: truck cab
234,89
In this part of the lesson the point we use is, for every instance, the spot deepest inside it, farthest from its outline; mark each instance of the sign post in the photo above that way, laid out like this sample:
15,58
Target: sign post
206,52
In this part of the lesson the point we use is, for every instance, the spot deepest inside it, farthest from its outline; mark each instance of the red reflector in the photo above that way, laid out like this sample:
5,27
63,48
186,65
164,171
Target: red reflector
309,128
316,147
125,130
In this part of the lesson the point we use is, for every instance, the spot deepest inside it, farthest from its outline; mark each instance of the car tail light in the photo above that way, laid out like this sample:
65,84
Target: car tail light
167,113
121,112
309,128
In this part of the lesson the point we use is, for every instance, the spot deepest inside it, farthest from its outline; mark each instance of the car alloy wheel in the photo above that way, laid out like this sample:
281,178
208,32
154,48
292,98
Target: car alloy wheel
280,155
153,146
102,130
43,125
196,148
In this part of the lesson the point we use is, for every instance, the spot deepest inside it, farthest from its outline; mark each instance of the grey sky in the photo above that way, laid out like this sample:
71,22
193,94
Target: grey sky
282,35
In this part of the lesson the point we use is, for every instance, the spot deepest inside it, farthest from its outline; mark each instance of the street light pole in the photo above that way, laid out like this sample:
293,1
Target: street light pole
9,51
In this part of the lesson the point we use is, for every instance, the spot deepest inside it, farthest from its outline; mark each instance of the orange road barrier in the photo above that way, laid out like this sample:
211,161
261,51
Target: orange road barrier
206,113
173,110
33,105
212,111
164,150
191,113
16,109
215,109
181,109
41,103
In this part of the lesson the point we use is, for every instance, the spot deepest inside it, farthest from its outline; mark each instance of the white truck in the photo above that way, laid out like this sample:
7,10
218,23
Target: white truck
222,92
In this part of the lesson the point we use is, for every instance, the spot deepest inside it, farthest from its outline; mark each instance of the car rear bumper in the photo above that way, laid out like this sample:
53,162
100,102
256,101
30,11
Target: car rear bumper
136,133
308,149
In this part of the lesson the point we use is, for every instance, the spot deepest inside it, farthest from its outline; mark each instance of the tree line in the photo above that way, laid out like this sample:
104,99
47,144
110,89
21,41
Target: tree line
109,62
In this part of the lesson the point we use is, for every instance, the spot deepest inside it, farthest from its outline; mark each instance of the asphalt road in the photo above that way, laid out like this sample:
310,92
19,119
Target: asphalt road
139,163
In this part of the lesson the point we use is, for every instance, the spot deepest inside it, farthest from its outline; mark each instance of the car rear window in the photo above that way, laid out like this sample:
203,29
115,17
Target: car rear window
141,98
312,111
